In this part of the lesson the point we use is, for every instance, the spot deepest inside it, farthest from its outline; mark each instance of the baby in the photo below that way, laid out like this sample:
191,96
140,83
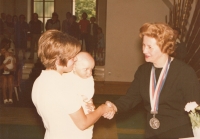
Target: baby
82,80
9,59
81,75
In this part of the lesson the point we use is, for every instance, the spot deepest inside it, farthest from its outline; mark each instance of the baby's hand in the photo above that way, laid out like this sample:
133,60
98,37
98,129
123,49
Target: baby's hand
90,106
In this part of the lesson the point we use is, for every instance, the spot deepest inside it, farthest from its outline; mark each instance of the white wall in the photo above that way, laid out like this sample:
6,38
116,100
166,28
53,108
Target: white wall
13,7
123,45
21,7
7,6
101,14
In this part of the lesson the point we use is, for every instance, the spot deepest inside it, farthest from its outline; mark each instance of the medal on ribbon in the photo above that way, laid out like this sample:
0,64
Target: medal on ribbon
155,90
154,122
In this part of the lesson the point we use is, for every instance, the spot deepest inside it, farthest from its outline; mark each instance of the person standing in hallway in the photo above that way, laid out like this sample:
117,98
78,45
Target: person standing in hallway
2,24
74,28
3,17
1,29
53,23
100,56
83,24
7,79
92,36
66,23
15,20
163,84
8,28
21,35
36,29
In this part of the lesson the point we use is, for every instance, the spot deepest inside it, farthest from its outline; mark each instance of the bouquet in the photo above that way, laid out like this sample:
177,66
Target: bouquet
194,115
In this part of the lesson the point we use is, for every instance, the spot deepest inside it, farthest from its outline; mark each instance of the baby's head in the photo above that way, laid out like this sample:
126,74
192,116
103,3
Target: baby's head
84,65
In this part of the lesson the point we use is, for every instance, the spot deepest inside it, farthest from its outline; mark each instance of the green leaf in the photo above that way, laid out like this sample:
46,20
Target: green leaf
88,6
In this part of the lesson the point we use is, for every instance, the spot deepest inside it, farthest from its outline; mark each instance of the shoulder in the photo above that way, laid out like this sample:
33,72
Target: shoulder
70,78
182,71
68,75
179,65
39,21
49,20
143,71
145,66
31,22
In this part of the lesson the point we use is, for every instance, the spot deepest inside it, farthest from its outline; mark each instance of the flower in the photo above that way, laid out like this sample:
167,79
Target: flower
191,107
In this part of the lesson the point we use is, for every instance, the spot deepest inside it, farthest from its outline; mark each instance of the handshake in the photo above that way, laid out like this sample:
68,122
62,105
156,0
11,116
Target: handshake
108,109
111,112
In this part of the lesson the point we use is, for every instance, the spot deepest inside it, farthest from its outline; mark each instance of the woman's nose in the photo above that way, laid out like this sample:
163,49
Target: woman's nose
144,49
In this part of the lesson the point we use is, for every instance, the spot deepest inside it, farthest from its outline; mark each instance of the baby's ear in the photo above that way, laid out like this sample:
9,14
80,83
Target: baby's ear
74,67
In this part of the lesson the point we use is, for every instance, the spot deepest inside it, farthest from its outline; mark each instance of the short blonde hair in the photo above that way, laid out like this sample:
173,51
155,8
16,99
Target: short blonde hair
163,34
54,45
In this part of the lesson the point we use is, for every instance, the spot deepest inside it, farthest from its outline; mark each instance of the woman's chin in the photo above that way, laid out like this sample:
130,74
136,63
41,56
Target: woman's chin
147,59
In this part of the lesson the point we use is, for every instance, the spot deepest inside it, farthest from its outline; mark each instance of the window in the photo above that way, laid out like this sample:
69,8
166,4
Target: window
88,6
44,9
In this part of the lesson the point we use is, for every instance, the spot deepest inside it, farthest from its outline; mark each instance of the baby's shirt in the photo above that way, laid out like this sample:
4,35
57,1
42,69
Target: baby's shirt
10,65
83,87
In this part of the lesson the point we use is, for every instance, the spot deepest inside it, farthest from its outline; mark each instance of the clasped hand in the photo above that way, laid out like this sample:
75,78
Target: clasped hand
110,114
